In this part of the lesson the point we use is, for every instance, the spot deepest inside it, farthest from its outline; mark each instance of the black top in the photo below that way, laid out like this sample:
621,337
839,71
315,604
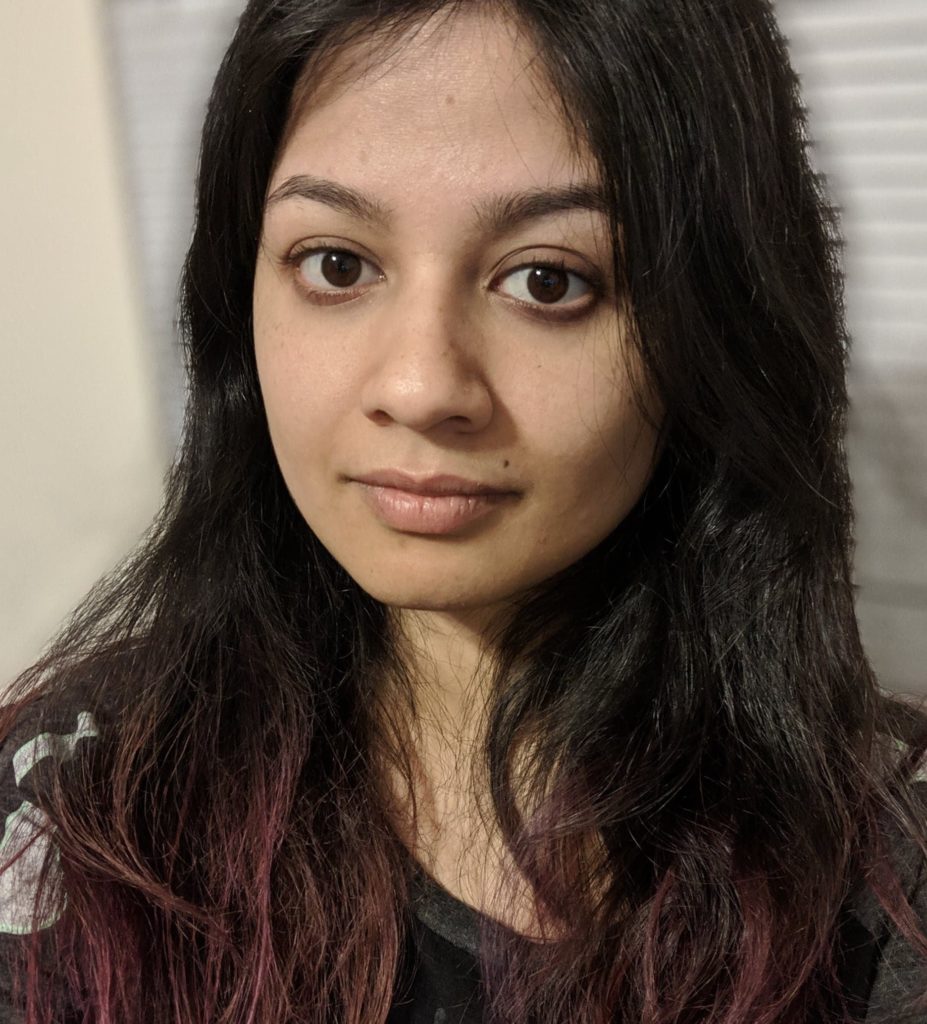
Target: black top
443,941
879,968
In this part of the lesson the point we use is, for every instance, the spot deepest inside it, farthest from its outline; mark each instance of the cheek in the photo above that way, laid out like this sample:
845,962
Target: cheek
294,370
609,478
289,414
272,352
622,413
600,463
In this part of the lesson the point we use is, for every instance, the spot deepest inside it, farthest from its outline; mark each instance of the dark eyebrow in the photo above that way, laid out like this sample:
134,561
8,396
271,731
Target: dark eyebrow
340,197
498,215
495,214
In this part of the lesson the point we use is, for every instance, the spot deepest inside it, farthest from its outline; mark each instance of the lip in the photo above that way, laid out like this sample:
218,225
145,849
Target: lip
436,485
434,505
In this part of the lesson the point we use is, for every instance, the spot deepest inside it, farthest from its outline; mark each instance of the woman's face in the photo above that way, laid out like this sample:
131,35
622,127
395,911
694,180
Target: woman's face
407,321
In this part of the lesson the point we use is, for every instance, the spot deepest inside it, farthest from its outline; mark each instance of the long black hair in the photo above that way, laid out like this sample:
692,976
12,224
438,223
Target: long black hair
705,763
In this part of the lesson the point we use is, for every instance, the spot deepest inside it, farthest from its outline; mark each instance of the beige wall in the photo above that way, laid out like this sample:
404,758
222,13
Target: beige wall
81,453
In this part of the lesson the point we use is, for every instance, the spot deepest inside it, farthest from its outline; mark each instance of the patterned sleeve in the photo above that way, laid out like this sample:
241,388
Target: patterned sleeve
39,734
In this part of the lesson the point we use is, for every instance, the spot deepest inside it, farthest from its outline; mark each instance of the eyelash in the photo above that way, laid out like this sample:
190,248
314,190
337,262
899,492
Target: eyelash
325,298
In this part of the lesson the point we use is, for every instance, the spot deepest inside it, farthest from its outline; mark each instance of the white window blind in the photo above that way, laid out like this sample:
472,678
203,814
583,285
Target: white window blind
864,76
165,55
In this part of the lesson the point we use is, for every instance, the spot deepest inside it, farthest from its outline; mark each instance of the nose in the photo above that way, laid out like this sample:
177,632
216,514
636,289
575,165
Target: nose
426,363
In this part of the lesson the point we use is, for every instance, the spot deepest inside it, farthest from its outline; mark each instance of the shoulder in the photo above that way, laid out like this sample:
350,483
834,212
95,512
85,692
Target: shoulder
41,733
901,972
896,968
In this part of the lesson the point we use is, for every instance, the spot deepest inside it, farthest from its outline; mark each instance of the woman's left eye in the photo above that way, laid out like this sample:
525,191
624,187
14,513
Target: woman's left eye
549,284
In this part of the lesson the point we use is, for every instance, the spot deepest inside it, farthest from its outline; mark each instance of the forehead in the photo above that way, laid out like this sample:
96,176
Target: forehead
455,99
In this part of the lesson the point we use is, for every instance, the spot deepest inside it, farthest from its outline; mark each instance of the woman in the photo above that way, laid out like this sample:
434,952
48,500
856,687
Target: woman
494,656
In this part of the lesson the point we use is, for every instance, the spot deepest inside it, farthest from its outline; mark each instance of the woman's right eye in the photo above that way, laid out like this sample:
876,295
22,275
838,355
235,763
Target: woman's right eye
329,271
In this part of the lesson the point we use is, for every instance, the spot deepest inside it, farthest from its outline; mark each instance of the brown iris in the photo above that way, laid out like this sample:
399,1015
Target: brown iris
341,268
547,284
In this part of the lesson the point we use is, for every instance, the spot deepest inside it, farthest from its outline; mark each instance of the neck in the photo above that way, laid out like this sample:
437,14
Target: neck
446,669
451,664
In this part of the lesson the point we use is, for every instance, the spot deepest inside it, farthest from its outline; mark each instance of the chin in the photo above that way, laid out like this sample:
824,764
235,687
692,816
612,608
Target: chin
439,593
434,599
